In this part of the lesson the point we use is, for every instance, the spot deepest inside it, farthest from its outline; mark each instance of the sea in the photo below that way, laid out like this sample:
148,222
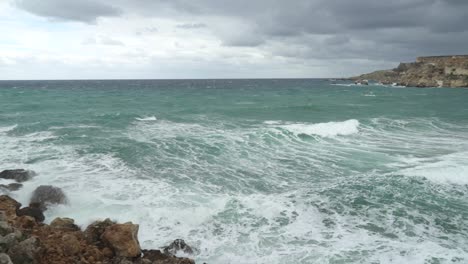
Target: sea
252,171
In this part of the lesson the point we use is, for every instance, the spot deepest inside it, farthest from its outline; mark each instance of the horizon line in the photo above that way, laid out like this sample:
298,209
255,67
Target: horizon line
176,79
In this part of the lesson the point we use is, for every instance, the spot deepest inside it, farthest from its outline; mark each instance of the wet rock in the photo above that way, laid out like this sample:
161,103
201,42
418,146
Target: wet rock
25,251
95,230
178,246
19,175
123,239
158,257
12,186
9,206
45,195
32,210
5,259
64,223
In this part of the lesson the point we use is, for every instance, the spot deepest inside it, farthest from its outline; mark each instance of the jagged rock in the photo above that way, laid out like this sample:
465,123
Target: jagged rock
25,251
46,195
123,239
32,210
158,257
95,230
19,175
64,223
70,245
5,259
25,222
9,206
12,186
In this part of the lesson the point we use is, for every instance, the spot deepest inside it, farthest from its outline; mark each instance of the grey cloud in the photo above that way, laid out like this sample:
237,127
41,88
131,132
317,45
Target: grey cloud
322,29
83,10
191,25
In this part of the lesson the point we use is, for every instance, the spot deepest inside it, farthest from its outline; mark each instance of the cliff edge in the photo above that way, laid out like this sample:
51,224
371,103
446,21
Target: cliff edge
434,71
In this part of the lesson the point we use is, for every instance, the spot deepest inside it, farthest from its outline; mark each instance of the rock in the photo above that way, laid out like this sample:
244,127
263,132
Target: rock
157,257
123,239
46,195
361,82
5,228
435,71
177,246
9,206
25,251
70,245
17,175
32,210
95,230
12,186
64,223
122,261
9,240
107,252
5,259
25,222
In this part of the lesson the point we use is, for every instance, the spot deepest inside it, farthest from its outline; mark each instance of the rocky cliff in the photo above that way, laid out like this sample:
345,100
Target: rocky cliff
435,71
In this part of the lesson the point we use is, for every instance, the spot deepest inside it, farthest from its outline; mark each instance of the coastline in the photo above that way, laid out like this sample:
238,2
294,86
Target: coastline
431,71
25,238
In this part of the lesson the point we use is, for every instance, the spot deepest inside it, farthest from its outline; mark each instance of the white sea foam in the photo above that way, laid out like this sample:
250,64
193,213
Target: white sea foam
7,128
329,129
272,122
451,168
146,118
230,221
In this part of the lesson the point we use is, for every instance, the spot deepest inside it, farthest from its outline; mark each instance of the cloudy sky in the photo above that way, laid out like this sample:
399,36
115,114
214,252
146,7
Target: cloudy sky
100,39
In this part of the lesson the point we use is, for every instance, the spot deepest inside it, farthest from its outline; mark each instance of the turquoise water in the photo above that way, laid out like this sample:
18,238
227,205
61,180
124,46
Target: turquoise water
252,171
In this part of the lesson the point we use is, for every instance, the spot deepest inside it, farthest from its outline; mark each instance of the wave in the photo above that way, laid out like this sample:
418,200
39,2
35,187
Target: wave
7,129
329,129
147,118
446,169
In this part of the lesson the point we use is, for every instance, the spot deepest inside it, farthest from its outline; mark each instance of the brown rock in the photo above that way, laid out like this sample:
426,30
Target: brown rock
123,239
70,245
25,222
95,230
107,252
9,206
64,223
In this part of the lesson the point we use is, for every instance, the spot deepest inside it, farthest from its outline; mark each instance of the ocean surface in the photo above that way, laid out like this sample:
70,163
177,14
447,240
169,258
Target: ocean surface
252,171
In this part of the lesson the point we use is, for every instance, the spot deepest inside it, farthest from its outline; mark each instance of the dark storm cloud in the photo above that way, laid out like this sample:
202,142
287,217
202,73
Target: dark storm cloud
370,29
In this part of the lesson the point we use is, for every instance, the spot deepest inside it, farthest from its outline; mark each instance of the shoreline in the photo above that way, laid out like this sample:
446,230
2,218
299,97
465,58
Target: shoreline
25,238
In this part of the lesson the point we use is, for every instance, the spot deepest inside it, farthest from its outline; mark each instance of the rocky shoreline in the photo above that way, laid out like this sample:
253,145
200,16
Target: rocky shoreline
25,239
435,71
